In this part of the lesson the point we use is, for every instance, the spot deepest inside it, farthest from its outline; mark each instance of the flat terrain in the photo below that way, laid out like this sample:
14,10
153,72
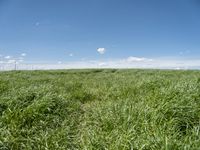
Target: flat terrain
100,109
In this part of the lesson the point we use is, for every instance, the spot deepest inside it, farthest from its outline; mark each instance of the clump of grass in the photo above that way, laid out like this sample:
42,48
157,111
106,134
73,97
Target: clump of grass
100,109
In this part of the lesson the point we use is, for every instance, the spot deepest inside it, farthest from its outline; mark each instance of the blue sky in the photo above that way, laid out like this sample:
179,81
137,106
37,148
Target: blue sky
72,30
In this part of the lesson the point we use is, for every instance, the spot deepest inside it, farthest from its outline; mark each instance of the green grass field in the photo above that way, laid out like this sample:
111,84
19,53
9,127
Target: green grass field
100,110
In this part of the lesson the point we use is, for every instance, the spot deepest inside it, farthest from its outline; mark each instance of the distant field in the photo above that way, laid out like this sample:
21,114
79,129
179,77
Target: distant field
100,109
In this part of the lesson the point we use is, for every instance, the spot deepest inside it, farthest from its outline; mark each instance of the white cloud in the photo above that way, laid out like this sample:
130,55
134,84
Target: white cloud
23,54
130,62
11,61
101,50
7,57
181,53
37,24
186,52
71,54
101,64
135,59
21,60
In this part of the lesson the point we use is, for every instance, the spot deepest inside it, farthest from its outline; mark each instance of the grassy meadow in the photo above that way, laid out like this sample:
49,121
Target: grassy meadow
104,109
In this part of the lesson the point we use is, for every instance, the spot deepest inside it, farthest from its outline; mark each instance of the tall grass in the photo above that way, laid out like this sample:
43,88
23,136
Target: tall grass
100,109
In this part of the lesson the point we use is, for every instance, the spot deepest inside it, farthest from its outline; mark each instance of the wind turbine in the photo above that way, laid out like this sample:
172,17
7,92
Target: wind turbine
13,60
